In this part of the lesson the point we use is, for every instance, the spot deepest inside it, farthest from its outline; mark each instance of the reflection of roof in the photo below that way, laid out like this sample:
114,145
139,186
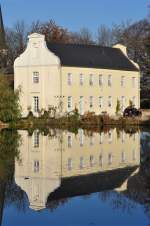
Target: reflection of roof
83,185
91,56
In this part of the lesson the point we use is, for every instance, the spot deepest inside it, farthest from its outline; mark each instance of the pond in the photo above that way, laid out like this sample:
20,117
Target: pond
62,178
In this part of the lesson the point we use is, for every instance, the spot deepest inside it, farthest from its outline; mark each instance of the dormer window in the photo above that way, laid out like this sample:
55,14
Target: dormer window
35,77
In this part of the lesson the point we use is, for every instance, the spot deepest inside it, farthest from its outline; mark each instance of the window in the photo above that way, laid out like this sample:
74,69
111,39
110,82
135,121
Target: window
123,157
100,80
91,139
69,164
110,159
36,166
109,101
91,101
69,103
69,141
81,163
110,136
36,139
134,100
81,79
122,102
122,81
91,160
133,82
101,138
101,102
109,80
122,136
69,79
36,103
101,160
81,136
91,80
35,77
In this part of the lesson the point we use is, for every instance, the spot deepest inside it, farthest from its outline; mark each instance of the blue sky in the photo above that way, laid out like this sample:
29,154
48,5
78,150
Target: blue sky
74,14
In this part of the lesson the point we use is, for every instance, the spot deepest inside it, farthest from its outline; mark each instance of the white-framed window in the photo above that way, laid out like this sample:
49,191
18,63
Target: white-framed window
122,81
69,141
91,101
91,160
101,160
36,166
101,102
69,79
35,77
69,103
110,138
110,101
81,137
36,139
101,80
91,140
134,100
109,80
133,82
91,80
36,103
110,158
81,79
81,162
123,137
101,138
123,156
123,102
69,164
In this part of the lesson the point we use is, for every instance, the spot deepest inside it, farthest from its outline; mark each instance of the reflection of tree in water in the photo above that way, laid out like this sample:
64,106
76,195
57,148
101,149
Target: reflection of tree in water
54,204
117,201
9,144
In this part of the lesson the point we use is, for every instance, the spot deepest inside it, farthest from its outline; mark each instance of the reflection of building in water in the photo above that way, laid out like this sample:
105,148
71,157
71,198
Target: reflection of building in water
48,160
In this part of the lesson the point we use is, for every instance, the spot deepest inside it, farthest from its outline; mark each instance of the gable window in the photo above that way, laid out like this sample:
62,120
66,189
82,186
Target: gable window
36,103
91,80
109,80
35,77
100,80
91,101
69,103
101,102
122,81
109,101
81,79
69,79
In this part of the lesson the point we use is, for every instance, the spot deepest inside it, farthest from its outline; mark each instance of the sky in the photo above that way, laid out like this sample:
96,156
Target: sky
74,14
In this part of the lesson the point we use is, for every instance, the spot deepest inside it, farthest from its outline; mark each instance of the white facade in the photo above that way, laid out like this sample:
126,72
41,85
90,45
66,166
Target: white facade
46,83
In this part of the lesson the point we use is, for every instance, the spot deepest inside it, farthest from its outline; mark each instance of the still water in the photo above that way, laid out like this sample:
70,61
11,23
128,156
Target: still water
84,178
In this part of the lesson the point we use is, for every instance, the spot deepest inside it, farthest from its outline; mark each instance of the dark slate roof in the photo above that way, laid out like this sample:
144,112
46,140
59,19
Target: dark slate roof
91,56
87,184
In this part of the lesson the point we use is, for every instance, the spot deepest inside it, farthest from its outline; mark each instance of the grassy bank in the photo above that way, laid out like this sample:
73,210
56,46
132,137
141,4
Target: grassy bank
74,122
